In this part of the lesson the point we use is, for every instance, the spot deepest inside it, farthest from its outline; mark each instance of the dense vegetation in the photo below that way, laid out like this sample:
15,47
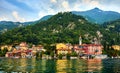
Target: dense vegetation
3,52
112,32
64,27
8,25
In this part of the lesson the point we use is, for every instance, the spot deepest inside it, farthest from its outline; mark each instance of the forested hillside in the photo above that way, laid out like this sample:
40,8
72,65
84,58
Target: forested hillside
62,27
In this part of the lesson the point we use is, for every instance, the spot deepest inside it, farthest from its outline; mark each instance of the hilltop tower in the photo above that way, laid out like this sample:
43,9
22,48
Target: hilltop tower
80,40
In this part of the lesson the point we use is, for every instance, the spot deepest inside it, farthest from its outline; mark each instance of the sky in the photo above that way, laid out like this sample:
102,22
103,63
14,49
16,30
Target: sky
31,10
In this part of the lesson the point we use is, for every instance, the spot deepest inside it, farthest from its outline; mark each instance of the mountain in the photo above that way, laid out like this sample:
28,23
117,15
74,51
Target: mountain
45,17
95,15
62,27
98,16
65,28
7,25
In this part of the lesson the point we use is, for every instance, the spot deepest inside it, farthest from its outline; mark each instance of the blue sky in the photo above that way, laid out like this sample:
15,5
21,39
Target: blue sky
31,10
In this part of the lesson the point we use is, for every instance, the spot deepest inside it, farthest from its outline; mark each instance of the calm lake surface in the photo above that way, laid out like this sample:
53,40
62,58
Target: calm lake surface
59,66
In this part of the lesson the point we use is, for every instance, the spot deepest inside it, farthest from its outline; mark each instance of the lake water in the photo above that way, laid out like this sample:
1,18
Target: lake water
59,66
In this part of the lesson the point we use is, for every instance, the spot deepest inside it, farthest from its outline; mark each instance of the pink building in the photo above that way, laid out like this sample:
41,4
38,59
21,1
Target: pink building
19,53
9,54
92,49
88,49
78,49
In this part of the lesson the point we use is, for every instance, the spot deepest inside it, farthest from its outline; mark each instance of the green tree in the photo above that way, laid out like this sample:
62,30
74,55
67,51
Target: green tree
60,56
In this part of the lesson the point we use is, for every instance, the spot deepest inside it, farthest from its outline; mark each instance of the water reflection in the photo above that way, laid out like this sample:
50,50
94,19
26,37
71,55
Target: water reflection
60,66
94,65
111,66
71,66
63,66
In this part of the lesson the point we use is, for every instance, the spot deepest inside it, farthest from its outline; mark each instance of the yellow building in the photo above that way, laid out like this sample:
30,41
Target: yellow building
9,47
62,48
116,47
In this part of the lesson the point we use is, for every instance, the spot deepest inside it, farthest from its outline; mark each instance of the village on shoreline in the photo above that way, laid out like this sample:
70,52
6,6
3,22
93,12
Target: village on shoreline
61,51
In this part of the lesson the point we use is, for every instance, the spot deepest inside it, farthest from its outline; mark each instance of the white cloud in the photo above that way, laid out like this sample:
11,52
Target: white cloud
77,5
40,8
41,14
17,17
89,2
95,3
83,5
53,1
49,11
47,7
65,5
86,1
3,18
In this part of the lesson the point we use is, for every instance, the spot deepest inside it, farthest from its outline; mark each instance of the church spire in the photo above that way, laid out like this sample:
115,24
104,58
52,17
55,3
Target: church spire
80,40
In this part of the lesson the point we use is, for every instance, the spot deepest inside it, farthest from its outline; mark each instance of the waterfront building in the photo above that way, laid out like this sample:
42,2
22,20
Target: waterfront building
23,46
62,48
17,53
78,49
9,55
92,49
88,49
8,47
22,51
116,47
38,48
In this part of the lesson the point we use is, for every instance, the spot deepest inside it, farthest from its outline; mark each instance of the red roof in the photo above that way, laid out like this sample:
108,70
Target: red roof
91,45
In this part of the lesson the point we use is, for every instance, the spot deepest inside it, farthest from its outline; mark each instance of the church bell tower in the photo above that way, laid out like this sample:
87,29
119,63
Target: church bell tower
80,40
